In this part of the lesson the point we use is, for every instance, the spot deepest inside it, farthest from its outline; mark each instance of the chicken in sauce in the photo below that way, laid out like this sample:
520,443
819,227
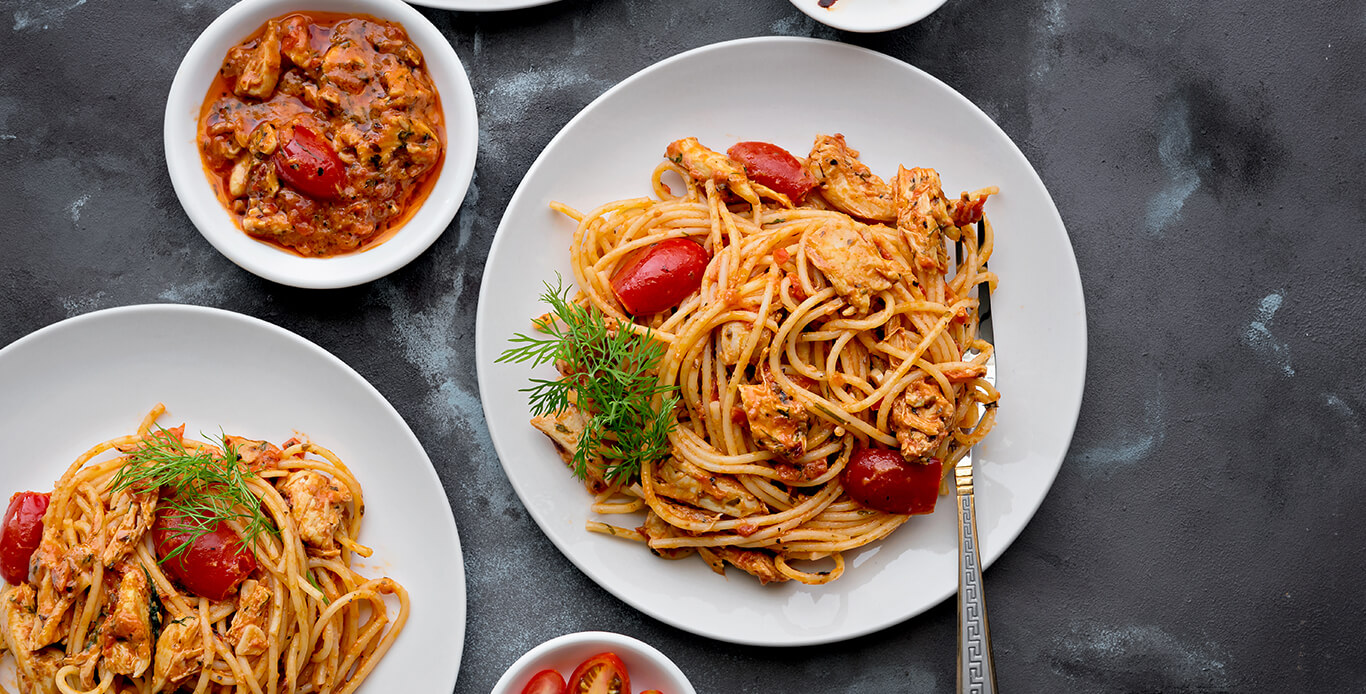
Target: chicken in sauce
323,132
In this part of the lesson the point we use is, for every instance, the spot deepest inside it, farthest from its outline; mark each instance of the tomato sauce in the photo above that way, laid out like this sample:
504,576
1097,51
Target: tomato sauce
322,133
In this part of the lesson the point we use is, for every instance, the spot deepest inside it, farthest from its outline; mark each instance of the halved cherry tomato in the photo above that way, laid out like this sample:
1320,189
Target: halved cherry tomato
20,535
212,565
308,164
604,673
545,682
660,276
775,167
882,479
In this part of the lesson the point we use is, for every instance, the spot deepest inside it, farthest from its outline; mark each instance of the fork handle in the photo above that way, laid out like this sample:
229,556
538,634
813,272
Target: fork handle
976,673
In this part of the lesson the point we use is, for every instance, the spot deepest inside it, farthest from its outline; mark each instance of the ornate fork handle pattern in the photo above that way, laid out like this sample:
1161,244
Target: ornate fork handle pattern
976,673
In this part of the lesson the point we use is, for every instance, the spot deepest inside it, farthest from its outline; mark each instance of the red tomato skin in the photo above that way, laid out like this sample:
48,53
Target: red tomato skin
775,167
969,212
21,534
587,680
545,682
881,479
308,164
660,276
212,565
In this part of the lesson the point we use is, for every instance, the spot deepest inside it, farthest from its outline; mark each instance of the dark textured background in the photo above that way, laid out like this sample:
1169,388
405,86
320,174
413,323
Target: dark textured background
1205,533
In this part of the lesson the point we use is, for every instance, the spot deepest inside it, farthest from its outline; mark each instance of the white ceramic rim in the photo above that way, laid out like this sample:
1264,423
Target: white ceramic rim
626,647
869,16
482,5
228,327
1001,515
214,221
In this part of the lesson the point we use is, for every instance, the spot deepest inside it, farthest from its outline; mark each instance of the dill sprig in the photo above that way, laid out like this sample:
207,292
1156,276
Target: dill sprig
202,489
612,379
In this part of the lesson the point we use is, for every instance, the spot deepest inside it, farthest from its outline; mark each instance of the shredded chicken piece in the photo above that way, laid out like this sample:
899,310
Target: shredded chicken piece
139,511
179,649
921,418
248,631
732,343
922,215
263,140
851,262
259,69
19,618
656,529
295,44
757,563
46,663
704,164
683,481
128,633
60,574
261,221
564,429
390,39
847,183
777,421
316,503
963,371
394,129
791,473
256,455
401,87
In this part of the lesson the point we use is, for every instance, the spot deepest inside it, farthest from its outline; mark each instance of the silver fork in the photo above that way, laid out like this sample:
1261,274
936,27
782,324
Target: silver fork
976,672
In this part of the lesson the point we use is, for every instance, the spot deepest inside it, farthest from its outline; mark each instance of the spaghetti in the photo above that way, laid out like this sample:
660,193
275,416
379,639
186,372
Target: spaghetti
830,320
111,605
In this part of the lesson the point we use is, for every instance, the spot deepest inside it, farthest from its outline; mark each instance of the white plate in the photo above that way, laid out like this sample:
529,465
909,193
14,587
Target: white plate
482,5
84,380
869,16
608,151
201,203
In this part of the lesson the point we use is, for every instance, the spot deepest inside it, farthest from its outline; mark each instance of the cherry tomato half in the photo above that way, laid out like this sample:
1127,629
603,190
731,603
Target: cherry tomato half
604,673
212,565
881,479
20,535
308,164
775,167
660,276
545,682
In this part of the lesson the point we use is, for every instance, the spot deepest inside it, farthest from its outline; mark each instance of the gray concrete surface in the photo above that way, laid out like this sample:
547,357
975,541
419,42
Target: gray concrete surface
1205,533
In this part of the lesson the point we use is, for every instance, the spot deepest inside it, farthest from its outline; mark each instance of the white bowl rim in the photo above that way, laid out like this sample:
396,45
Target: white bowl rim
609,640
481,5
212,219
868,20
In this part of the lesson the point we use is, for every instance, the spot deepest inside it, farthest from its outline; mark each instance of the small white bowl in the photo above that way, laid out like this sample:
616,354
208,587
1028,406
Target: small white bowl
647,667
869,16
213,220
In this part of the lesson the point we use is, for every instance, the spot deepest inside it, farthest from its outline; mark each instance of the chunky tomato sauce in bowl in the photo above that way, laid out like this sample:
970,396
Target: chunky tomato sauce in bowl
321,145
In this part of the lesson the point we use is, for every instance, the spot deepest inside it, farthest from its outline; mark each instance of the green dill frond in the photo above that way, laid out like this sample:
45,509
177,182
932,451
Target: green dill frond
201,487
612,378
